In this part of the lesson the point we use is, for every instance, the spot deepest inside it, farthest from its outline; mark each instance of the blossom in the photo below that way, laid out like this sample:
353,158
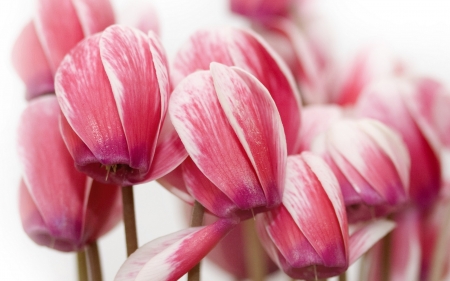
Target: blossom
371,163
57,27
113,89
60,207
261,9
244,49
307,235
232,131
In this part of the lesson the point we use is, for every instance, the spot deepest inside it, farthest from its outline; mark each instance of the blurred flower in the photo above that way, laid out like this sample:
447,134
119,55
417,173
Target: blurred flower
371,163
261,9
60,207
113,89
388,101
232,131
57,27
307,236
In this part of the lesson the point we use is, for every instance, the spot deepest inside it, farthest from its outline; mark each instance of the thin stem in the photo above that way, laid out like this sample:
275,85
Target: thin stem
82,268
129,219
197,220
440,249
93,262
386,257
254,253
343,276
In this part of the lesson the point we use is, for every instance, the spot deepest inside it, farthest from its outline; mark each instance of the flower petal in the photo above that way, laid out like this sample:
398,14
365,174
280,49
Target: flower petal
309,184
211,142
258,127
94,15
128,62
170,257
141,15
58,29
366,236
31,64
58,189
86,99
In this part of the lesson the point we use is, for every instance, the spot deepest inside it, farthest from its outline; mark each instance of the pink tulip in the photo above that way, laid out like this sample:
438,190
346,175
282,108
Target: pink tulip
170,257
232,47
60,207
371,163
113,89
388,102
307,236
57,27
261,9
232,131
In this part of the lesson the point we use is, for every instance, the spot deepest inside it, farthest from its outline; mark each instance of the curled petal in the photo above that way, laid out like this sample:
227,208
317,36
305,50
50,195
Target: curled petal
141,15
94,15
88,93
126,56
211,142
258,127
170,257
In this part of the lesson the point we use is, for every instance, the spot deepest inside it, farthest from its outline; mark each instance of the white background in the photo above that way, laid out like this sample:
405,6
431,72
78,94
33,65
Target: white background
418,31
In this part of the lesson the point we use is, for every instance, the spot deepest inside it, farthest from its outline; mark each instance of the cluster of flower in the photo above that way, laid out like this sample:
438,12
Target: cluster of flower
226,128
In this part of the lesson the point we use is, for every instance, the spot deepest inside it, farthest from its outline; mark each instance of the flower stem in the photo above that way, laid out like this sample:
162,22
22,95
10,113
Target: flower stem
197,220
254,253
93,262
440,249
385,256
343,276
129,219
82,269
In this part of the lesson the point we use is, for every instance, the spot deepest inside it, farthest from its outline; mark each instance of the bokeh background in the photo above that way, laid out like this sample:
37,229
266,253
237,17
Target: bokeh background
417,31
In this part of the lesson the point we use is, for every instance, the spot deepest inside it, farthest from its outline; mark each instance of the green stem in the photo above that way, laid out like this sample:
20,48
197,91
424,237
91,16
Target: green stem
82,268
440,249
93,262
254,255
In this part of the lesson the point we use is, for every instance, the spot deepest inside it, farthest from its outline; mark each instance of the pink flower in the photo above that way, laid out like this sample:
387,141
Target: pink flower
307,236
60,207
261,9
244,49
57,27
371,163
389,102
232,131
113,89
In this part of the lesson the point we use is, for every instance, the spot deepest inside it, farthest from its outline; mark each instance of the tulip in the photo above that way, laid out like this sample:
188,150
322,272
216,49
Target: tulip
60,207
232,47
307,236
387,101
113,90
371,163
57,27
232,131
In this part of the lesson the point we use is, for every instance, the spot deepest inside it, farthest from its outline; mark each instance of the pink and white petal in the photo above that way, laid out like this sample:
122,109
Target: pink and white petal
94,15
260,9
86,99
273,73
128,62
170,257
169,152
316,120
304,192
382,174
205,192
258,127
31,64
58,29
141,15
202,48
56,187
366,236
211,142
